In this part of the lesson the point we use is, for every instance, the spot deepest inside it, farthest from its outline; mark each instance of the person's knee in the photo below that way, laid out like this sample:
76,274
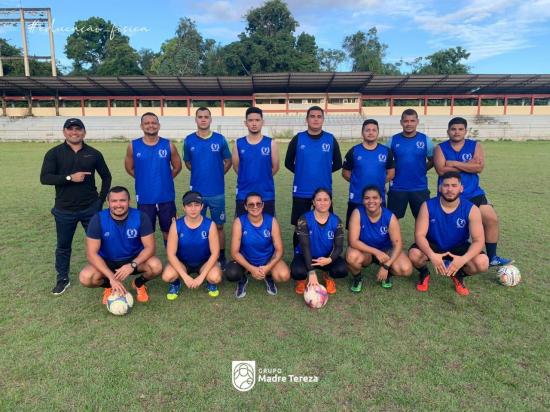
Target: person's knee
354,258
154,266
169,274
339,270
215,275
403,268
282,274
482,263
86,277
416,257
488,216
298,272
233,272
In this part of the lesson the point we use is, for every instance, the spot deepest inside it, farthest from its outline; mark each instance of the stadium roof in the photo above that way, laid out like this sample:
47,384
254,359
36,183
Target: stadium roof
354,82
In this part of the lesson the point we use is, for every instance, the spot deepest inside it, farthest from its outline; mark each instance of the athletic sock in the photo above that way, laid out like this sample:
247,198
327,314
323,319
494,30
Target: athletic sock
460,275
295,240
106,283
222,255
422,273
140,281
358,276
165,241
491,249
176,282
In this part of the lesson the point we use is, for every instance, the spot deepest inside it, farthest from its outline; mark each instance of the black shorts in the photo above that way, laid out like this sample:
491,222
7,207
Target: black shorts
398,201
459,250
165,211
115,264
193,268
269,207
479,200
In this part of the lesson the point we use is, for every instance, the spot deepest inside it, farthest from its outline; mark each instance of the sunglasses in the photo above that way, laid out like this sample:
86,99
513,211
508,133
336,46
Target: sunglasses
254,205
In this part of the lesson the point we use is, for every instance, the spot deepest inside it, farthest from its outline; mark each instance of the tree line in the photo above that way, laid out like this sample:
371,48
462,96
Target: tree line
268,44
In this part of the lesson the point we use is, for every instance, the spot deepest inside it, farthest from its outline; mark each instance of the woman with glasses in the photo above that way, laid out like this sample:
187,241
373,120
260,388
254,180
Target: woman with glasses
375,237
321,242
257,249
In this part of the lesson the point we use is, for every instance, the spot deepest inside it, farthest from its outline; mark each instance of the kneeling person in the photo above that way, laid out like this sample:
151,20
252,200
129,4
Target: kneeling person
375,237
193,247
120,242
442,230
257,248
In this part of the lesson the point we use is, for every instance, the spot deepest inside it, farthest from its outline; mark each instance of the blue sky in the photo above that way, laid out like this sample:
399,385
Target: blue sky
503,36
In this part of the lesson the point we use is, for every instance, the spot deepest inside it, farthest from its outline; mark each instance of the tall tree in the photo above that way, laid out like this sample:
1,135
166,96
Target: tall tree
146,57
447,61
120,59
367,53
17,67
329,59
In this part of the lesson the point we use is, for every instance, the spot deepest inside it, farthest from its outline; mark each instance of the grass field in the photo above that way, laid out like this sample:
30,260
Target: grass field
380,350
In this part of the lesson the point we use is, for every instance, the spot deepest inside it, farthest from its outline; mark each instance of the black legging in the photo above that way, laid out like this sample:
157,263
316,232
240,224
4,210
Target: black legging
336,269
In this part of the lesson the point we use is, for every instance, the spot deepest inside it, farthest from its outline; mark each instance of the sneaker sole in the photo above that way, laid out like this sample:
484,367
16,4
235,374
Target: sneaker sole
271,293
171,296
63,291
214,294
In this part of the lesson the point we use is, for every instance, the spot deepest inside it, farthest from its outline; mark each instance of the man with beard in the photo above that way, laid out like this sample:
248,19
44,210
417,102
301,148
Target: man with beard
443,228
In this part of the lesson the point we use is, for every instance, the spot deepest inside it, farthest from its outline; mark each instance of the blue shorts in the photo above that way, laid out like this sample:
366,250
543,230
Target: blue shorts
165,211
216,204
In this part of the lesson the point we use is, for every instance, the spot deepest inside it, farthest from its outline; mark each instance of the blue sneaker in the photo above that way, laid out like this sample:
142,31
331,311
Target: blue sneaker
270,286
174,290
240,292
213,290
500,261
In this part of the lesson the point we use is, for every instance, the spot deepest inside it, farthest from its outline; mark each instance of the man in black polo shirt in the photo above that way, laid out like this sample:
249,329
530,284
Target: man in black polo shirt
71,167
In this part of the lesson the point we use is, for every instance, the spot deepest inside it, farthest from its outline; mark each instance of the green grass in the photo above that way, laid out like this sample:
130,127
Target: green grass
379,350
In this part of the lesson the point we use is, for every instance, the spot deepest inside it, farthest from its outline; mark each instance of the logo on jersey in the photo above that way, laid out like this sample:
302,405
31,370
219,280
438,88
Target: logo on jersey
181,234
131,233
466,157
420,145
351,196
204,235
163,153
267,233
266,151
383,230
326,147
222,216
192,148
460,223
138,154
302,147
382,157
330,234
242,150
215,147
245,233
106,234
359,157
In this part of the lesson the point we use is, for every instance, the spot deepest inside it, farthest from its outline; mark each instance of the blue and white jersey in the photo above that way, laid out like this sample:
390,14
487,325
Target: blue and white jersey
447,230
193,244
255,169
321,237
470,181
377,234
153,172
206,156
313,164
120,241
410,154
256,241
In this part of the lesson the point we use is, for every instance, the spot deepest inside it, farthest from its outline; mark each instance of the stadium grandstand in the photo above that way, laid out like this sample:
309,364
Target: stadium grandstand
498,106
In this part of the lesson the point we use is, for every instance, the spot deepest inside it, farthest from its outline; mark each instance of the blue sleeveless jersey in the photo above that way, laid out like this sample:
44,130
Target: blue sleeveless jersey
470,181
376,235
447,230
256,242
206,157
193,244
255,169
313,164
369,168
120,241
321,237
410,155
152,172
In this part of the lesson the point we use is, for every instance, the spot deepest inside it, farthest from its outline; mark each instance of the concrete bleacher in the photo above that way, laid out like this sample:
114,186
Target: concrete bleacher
342,126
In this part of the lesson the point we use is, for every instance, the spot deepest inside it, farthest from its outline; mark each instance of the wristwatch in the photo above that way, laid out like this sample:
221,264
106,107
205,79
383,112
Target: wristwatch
385,266
68,177
133,264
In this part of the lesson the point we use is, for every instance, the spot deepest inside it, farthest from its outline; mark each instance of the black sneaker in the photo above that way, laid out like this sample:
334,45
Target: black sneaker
61,286
270,286
240,292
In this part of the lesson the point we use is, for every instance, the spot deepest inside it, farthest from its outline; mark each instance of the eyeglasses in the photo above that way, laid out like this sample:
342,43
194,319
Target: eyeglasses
255,205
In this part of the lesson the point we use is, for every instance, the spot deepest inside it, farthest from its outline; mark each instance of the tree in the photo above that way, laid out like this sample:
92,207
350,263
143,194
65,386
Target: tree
146,57
329,59
120,59
447,61
17,67
367,53
306,50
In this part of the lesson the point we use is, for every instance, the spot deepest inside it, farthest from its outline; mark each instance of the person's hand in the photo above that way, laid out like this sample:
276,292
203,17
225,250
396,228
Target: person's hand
79,176
256,273
188,280
382,257
195,283
118,288
312,280
322,261
439,265
123,272
455,265
382,274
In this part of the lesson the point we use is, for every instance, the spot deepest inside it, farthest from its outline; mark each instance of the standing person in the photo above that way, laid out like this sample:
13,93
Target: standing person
154,162
207,156
321,243
257,248
442,232
365,164
375,237
255,160
312,155
413,154
465,156
193,247
120,242
71,167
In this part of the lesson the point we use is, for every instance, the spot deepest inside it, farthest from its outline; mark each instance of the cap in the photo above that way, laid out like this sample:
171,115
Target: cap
73,122
191,197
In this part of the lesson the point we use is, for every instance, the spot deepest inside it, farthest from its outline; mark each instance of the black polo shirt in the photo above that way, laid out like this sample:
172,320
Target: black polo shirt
61,161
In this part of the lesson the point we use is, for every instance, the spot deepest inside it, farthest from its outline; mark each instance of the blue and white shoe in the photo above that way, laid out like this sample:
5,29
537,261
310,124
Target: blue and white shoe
270,286
213,290
240,292
174,290
500,261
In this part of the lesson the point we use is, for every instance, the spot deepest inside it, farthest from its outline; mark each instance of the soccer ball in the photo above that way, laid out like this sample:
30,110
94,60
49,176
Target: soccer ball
119,304
316,296
508,275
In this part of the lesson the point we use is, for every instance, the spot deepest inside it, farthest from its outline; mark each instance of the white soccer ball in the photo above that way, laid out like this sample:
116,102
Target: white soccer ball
508,275
119,304
316,296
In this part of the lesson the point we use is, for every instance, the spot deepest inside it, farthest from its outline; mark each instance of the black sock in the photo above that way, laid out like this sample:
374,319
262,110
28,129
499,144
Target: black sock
357,276
295,240
140,281
106,283
460,275
422,273
222,255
